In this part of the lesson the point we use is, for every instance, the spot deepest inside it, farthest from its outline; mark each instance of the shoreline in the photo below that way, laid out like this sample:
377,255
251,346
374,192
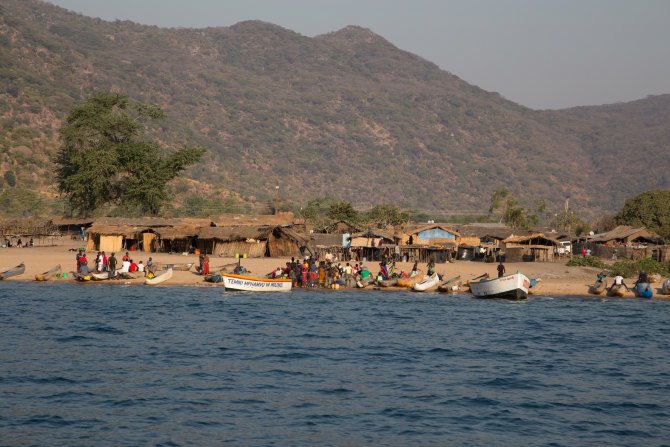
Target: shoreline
557,279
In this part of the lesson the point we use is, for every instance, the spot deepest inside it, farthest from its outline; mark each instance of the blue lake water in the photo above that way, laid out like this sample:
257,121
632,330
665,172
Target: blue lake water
84,365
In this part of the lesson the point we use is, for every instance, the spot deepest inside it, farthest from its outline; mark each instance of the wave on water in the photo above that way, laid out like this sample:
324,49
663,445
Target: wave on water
200,367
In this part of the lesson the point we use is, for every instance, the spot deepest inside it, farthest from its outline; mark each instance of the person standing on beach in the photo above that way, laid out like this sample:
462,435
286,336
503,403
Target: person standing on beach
501,269
205,264
111,265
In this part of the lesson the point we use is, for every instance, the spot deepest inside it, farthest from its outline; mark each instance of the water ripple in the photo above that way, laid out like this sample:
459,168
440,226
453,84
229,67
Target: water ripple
183,366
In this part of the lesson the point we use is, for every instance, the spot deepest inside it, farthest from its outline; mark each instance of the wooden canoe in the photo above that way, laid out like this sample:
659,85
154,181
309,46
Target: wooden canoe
406,282
18,270
183,267
49,274
615,290
448,285
100,276
429,282
160,278
391,282
598,288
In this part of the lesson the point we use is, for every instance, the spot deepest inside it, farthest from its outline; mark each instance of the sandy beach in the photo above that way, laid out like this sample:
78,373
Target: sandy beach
556,278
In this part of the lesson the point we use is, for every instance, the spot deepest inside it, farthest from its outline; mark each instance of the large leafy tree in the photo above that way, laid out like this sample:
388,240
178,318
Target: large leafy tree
650,209
105,160
383,216
342,210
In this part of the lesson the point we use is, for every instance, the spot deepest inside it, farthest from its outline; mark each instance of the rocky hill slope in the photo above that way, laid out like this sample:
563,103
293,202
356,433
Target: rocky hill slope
345,114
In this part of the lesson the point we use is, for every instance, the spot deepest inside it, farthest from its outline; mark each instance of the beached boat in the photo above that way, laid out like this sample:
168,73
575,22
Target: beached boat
406,282
18,270
100,276
510,286
161,277
363,283
429,282
450,285
665,288
49,274
183,267
254,284
391,282
615,290
598,288
643,290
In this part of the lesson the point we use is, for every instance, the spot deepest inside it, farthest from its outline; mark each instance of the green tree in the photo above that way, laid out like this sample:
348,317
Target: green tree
342,210
382,216
315,210
649,209
104,158
512,212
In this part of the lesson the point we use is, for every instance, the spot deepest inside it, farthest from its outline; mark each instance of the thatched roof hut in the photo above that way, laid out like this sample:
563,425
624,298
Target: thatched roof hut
624,234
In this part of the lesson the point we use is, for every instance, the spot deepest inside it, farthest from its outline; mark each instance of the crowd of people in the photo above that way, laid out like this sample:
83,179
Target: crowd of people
110,264
310,272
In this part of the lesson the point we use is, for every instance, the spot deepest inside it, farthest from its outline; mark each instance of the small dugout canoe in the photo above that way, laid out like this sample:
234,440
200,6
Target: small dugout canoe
49,274
14,271
160,278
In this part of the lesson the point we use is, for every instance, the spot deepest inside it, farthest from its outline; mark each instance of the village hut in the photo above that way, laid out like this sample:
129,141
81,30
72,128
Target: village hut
232,241
25,229
622,242
431,234
254,241
529,248
149,234
372,245
329,244
72,226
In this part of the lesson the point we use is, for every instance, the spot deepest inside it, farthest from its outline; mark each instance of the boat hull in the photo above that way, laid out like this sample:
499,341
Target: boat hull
615,290
159,279
18,270
597,289
665,289
512,287
253,284
428,283
49,274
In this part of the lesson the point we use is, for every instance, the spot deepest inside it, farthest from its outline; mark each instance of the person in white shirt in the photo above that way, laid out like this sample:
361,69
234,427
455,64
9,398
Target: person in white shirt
125,267
618,281
140,267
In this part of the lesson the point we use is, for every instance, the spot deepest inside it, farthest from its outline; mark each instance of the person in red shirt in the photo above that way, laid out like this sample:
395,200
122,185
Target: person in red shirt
126,257
133,266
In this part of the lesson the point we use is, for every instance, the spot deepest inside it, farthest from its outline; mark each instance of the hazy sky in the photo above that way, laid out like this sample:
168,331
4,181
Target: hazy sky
539,53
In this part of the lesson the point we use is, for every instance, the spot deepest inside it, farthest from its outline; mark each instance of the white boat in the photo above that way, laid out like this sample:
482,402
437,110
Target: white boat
510,286
428,282
160,278
254,284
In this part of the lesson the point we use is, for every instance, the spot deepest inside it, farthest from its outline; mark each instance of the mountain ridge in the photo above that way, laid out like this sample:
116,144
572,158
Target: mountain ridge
346,114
